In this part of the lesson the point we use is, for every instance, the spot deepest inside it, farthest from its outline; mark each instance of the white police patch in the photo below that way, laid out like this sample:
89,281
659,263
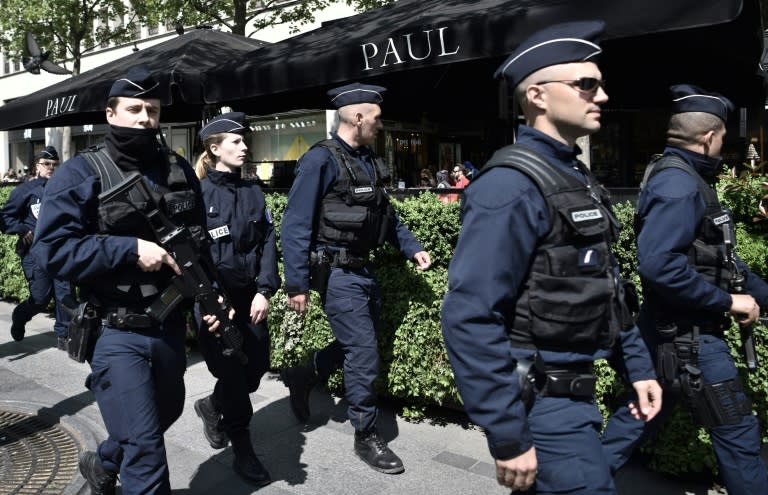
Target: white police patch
359,190
721,219
35,209
218,232
585,215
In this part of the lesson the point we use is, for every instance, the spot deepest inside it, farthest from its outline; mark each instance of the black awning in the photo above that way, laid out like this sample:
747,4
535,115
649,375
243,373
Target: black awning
178,63
439,55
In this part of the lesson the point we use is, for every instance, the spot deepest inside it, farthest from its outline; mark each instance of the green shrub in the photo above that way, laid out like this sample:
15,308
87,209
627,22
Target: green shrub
13,285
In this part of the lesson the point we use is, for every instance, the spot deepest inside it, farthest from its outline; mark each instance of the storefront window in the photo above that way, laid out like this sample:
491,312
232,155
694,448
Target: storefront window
278,141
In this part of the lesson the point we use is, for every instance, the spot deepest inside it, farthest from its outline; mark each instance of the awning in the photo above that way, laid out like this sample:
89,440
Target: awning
178,63
438,56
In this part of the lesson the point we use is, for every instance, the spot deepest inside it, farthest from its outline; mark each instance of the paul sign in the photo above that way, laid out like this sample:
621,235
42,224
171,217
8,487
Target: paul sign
411,46
58,106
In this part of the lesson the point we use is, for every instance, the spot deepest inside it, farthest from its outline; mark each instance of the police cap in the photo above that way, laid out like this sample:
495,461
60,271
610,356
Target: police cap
232,122
137,83
557,44
689,98
48,153
356,93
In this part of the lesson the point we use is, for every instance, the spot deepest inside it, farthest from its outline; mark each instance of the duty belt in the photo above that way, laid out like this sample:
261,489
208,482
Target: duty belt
342,258
562,380
124,319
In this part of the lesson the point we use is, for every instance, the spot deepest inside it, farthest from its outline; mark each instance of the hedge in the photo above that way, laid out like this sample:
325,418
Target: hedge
415,370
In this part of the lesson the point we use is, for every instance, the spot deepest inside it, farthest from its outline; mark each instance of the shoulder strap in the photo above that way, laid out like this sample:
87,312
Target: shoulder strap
672,161
550,180
103,164
344,160
532,164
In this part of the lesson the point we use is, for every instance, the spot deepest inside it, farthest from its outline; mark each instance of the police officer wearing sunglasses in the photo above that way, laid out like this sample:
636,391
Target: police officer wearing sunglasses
524,323
19,216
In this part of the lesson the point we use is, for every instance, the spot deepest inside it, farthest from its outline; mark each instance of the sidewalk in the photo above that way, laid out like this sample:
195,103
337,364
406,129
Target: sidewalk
441,455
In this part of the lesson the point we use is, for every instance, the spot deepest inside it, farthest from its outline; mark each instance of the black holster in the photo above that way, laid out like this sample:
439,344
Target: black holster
714,404
319,271
84,329
675,352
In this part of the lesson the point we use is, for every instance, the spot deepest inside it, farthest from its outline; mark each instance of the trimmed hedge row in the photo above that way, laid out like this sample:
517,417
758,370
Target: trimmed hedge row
415,368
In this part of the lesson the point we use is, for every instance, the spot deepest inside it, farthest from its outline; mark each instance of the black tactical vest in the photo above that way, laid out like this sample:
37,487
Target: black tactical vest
708,254
571,299
356,213
121,216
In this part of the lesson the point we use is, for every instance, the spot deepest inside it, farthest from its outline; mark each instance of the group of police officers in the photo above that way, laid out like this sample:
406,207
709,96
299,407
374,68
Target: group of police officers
535,295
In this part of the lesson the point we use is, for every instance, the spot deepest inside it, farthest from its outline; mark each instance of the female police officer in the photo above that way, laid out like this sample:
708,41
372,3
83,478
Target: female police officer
244,253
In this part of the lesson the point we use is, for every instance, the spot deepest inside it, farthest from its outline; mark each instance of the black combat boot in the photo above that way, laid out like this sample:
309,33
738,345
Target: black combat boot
61,343
246,464
370,447
210,415
101,481
17,329
300,380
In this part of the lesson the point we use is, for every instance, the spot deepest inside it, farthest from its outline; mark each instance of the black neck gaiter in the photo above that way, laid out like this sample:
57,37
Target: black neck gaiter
134,149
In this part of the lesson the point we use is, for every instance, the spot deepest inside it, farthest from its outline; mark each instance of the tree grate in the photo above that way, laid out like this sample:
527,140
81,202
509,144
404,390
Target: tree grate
36,456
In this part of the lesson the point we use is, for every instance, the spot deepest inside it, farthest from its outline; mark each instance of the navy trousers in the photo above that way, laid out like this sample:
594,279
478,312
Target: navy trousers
566,435
138,380
737,447
352,303
41,289
235,381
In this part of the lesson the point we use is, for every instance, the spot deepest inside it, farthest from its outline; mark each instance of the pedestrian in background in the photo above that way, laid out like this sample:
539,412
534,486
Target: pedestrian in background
244,254
108,249
337,213
460,180
19,216
534,292
692,288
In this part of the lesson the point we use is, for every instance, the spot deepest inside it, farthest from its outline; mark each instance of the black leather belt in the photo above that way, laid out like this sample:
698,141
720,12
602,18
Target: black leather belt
124,320
575,380
567,384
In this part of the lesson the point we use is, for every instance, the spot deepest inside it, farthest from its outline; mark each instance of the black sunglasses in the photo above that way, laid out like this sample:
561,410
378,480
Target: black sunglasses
585,84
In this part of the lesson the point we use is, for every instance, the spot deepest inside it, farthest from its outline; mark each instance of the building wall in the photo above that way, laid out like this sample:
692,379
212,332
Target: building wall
17,147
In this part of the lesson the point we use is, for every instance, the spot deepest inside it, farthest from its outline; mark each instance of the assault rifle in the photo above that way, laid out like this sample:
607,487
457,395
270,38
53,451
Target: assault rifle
195,281
737,286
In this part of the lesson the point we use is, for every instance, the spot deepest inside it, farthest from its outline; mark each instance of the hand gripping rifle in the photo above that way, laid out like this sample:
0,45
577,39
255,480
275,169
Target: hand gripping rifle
185,248
737,286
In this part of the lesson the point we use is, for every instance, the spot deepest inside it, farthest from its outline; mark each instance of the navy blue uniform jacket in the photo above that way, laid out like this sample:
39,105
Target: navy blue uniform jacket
66,239
20,212
316,174
670,209
503,218
238,221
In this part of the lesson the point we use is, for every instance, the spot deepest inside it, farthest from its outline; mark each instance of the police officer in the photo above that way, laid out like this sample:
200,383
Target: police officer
19,216
337,213
524,322
244,253
687,283
108,249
